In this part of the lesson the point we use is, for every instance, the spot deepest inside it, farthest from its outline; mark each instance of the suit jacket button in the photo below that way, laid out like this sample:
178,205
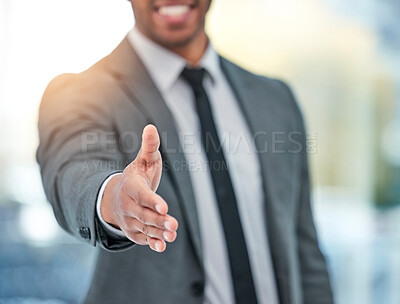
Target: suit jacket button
197,288
84,232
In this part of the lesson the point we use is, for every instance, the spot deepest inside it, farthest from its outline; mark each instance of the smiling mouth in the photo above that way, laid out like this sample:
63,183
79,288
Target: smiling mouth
174,10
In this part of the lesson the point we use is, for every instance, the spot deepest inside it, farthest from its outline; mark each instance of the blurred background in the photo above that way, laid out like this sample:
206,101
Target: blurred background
341,57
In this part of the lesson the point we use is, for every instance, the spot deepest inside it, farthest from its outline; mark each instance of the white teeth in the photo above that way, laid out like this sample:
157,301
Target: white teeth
174,10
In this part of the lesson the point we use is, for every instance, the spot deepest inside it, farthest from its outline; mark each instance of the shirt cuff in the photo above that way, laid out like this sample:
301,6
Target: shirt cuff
109,229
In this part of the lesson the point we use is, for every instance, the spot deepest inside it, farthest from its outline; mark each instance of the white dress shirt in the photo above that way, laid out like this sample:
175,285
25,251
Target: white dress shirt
165,68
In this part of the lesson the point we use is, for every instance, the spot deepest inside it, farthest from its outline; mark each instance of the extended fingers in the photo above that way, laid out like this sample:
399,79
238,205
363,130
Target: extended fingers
152,231
149,217
143,239
148,235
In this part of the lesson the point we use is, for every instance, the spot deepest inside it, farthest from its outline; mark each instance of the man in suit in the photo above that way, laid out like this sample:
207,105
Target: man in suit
165,132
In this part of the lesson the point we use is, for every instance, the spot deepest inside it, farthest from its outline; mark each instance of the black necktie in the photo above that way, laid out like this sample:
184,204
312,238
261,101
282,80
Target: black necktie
238,257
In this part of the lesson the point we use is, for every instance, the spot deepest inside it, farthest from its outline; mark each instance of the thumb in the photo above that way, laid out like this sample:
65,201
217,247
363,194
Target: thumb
150,144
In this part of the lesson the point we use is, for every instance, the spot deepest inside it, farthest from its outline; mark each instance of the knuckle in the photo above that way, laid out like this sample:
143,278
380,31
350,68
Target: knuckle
131,224
139,238
125,227
140,216
160,233
133,237
160,221
129,228
156,233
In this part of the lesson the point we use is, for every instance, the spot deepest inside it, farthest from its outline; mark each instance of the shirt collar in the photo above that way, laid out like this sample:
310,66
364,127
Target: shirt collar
210,62
165,66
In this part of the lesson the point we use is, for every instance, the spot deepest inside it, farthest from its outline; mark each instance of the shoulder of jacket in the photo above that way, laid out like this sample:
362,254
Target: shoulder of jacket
94,83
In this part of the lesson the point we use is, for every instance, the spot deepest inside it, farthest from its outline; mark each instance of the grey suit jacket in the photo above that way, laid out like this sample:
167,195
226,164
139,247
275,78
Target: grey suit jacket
89,126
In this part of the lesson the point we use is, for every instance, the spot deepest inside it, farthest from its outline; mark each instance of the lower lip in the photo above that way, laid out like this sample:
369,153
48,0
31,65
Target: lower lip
175,20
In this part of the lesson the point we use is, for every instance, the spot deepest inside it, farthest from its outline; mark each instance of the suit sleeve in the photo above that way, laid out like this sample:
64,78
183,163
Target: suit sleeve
316,285
315,279
78,150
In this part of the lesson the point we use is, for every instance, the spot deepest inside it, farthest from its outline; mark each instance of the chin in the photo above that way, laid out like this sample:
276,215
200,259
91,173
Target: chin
176,42
181,38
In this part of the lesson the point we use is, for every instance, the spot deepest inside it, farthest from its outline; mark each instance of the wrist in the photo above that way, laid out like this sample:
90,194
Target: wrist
108,201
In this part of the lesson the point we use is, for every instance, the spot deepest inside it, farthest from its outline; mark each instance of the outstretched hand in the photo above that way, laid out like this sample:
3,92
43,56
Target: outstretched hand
130,202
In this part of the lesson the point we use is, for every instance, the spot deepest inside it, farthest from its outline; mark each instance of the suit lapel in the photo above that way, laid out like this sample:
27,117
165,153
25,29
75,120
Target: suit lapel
137,83
261,116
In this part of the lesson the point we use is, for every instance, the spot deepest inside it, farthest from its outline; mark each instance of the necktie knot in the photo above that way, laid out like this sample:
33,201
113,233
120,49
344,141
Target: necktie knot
194,77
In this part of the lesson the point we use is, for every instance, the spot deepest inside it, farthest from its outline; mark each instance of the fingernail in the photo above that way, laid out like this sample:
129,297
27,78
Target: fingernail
166,235
158,208
158,246
167,225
